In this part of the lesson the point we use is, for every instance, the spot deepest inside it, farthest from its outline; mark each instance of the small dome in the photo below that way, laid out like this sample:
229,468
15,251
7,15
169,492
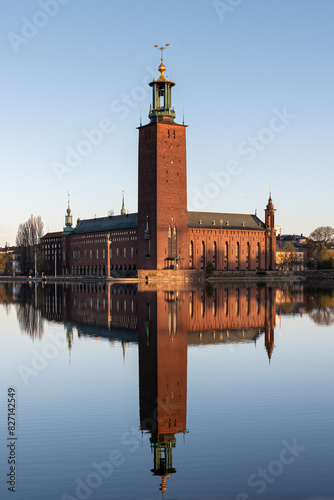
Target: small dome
162,68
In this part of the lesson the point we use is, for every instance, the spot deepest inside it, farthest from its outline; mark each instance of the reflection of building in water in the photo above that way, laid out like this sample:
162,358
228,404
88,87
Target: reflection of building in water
225,314
164,323
291,299
162,338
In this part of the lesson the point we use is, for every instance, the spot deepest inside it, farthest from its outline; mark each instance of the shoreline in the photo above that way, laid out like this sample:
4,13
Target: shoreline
308,277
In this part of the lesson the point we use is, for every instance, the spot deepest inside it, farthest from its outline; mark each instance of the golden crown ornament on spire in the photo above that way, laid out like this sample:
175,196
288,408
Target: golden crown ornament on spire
162,67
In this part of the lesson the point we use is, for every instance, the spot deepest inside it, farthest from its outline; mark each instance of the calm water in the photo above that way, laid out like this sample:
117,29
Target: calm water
130,393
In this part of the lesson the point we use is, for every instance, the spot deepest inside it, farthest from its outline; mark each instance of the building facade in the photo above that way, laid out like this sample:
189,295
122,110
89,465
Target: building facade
163,235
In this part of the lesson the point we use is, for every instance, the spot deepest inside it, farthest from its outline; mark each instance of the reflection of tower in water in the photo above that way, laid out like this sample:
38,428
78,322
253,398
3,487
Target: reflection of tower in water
270,322
69,337
162,336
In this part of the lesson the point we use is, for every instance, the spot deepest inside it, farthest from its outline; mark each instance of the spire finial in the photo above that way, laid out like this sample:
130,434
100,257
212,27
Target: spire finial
162,67
162,49
123,210
270,191
68,199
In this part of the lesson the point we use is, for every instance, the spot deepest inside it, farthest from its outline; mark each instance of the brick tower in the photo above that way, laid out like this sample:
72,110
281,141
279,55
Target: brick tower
162,184
270,244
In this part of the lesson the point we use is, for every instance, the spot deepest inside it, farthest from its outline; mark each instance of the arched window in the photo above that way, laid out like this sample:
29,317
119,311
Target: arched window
191,253
191,249
169,241
247,255
174,242
237,256
214,253
226,256
258,256
202,255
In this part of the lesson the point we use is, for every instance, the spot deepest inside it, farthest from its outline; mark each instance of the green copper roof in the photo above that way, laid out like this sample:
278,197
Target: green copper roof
229,221
110,223
207,220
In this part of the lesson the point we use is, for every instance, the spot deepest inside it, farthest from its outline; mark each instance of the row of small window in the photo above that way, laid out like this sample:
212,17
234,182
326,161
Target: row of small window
87,242
47,253
119,304
77,253
124,239
54,245
215,232
225,252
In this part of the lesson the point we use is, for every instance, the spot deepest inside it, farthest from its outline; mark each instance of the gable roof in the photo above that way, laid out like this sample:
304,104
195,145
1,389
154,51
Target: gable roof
110,223
230,221
52,235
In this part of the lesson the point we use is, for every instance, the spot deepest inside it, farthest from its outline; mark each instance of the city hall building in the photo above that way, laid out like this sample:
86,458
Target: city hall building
163,238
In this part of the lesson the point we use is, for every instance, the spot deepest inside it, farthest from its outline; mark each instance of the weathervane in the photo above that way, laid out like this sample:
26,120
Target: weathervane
162,67
162,49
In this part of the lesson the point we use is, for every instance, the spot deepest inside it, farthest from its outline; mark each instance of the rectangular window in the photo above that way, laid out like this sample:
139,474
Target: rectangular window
97,253
131,252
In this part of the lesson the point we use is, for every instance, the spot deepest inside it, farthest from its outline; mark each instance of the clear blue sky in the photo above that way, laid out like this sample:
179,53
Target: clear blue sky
237,64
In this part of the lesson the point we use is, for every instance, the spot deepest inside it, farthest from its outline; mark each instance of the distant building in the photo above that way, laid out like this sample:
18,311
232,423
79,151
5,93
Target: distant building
12,253
51,246
163,235
293,261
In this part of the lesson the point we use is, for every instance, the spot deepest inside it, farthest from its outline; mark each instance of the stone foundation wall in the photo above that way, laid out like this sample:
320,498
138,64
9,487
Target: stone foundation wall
171,275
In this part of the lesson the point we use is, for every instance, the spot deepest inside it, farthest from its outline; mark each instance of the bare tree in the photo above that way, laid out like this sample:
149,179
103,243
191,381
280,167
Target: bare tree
27,240
324,235
6,263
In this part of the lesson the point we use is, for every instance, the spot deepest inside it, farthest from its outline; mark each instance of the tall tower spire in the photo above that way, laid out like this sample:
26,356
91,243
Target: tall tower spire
123,210
162,184
270,244
161,109
68,216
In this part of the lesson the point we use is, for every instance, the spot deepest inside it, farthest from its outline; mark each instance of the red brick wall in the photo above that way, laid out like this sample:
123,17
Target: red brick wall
147,194
162,191
232,237
87,253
